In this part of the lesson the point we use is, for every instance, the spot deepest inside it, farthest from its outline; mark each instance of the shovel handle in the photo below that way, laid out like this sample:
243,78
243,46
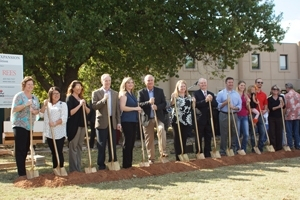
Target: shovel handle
141,135
251,119
86,135
196,126
31,141
212,124
236,131
53,137
110,134
283,124
179,130
228,116
262,118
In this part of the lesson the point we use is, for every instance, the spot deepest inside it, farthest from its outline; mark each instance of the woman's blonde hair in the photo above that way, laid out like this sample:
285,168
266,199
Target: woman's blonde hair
72,86
249,88
123,86
177,85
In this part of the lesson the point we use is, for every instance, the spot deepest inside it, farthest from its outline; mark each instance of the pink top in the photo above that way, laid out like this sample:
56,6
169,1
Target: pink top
244,111
292,99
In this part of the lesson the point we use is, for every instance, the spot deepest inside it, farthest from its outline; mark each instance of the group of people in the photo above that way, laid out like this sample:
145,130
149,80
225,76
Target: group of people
120,111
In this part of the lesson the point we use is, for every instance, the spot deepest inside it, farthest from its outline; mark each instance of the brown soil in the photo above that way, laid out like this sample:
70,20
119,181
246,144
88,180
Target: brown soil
78,178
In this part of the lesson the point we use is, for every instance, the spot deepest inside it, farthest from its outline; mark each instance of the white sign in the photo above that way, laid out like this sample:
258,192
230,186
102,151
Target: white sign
11,76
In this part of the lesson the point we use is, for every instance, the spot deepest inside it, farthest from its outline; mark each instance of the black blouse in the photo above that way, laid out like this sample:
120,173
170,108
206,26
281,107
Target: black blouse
273,103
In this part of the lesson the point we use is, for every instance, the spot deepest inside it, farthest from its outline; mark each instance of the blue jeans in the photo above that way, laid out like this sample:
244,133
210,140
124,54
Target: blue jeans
261,132
292,130
243,129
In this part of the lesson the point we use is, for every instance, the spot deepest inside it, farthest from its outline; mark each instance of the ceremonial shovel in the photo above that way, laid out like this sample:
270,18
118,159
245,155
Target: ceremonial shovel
89,169
198,155
229,151
31,173
285,147
113,165
143,163
255,148
58,171
269,147
240,151
182,156
214,153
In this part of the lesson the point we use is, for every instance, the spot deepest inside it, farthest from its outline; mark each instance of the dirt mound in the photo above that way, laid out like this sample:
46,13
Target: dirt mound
79,178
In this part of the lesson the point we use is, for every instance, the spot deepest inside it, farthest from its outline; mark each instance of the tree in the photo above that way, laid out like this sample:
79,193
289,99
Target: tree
133,37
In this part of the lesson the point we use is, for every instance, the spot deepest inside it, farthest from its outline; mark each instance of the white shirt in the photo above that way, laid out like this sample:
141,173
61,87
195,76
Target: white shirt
57,111
108,100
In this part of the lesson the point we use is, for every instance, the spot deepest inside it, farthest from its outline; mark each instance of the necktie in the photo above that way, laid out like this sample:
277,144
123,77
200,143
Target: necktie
205,94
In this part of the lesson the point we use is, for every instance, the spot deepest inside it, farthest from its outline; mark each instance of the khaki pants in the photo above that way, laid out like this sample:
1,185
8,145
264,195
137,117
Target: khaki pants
149,138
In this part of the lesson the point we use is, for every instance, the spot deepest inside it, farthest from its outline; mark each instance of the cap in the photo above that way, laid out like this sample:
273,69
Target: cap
289,85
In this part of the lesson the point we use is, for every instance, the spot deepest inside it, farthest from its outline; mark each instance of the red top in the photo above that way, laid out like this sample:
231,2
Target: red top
262,99
244,110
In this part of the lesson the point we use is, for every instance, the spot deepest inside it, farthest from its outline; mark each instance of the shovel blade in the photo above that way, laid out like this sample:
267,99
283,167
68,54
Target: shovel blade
114,166
183,157
241,152
163,160
215,154
286,148
144,164
32,173
90,170
270,148
200,156
256,150
229,152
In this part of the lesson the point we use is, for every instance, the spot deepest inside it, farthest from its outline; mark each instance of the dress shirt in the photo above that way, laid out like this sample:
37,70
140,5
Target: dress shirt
151,94
235,100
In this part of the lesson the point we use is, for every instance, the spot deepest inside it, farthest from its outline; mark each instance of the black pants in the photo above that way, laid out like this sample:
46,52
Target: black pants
129,131
22,143
92,135
275,132
204,131
59,146
184,133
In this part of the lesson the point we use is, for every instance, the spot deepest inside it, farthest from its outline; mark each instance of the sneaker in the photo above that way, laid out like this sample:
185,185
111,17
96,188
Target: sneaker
255,121
165,155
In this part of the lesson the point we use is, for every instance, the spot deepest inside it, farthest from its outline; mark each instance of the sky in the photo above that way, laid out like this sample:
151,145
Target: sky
291,19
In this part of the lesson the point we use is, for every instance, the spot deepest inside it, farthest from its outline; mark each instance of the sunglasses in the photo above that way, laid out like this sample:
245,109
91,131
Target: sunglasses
260,82
275,89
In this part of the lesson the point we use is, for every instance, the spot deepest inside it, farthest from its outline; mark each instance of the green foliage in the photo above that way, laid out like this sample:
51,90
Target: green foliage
131,38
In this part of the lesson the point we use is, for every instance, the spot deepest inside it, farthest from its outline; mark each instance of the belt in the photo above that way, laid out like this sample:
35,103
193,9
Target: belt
227,112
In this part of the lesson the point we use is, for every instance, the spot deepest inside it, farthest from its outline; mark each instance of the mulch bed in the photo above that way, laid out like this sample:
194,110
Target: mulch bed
79,178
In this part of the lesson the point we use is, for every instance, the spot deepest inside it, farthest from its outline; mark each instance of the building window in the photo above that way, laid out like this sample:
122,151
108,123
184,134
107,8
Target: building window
255,61
283,62
189,62
221,63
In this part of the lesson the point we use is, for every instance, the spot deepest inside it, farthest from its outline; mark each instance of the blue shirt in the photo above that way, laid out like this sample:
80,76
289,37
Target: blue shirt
235,100
151,94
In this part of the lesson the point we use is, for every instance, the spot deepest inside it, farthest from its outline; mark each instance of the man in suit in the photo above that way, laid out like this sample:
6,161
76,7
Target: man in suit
152,99
106,103
203,97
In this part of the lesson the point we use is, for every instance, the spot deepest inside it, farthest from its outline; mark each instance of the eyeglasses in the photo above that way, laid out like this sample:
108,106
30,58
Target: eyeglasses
260,82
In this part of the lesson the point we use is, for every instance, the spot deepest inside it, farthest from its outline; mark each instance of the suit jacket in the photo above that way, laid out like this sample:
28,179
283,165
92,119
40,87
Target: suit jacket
100,106
160,102
204,106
